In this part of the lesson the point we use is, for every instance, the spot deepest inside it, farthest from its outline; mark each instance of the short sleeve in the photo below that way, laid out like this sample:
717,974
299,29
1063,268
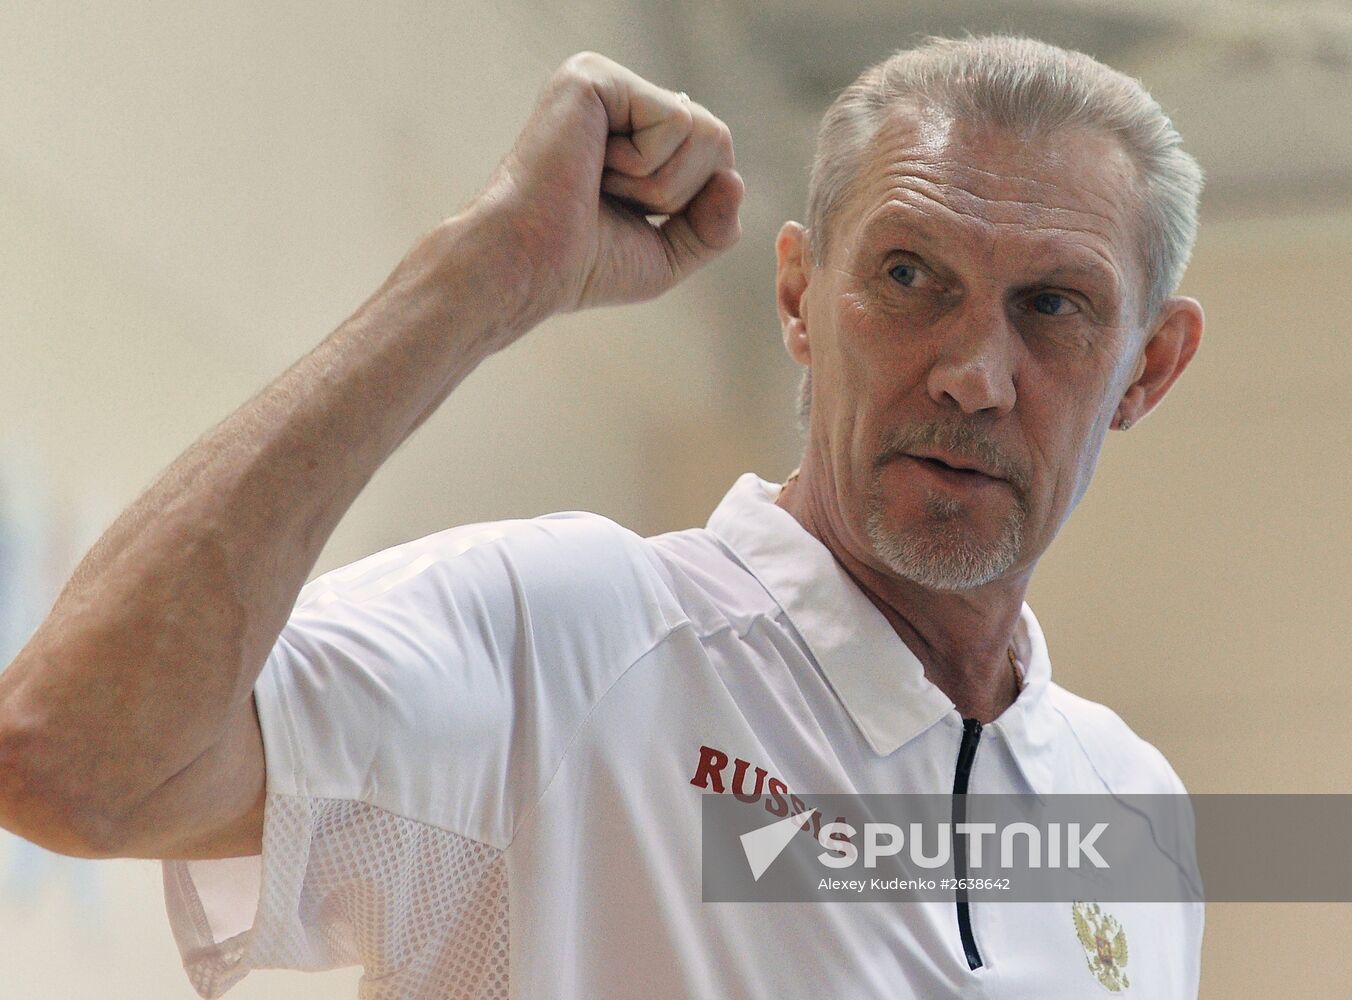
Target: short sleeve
416,704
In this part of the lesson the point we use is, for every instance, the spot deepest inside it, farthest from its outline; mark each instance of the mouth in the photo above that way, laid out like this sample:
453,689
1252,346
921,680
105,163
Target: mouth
954,465
945,476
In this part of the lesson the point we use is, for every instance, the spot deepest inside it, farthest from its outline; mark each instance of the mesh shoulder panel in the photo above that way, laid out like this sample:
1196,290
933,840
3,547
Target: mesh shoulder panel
421,909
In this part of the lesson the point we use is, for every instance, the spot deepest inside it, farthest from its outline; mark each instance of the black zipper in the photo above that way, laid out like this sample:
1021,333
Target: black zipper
971,733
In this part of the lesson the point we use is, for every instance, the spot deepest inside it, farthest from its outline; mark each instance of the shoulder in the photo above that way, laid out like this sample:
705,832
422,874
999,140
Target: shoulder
1122,760
586,542
1137,775
569,568
714,589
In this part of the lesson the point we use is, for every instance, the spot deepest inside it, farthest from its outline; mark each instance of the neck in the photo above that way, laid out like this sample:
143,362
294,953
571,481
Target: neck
962,638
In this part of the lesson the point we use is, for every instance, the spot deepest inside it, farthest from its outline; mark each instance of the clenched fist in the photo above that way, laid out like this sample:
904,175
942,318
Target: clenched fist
602,150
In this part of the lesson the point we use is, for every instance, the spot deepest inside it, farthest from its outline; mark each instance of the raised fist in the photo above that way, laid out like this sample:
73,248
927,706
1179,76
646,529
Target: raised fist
603,150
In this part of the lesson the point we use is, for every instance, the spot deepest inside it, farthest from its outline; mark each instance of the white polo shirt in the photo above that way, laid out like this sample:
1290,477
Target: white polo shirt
482,751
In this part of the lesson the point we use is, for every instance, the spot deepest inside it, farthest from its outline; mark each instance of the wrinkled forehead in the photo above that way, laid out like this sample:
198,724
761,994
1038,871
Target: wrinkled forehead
1073,189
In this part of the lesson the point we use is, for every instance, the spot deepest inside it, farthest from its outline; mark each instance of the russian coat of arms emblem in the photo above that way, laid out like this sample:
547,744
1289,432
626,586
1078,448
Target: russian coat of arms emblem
1105,945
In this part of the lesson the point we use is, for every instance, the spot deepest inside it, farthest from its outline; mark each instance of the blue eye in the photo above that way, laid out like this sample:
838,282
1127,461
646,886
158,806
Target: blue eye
1051,304
904,274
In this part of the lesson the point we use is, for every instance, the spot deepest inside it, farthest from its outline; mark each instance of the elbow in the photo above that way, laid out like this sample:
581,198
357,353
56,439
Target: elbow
46,807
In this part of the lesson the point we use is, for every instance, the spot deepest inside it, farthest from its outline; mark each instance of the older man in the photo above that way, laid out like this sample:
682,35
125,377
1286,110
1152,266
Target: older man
474,763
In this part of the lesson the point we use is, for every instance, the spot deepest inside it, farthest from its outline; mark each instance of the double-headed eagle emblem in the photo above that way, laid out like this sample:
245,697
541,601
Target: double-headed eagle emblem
1105,945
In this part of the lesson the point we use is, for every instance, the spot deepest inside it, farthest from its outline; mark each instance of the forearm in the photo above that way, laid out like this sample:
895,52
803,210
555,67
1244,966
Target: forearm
160,634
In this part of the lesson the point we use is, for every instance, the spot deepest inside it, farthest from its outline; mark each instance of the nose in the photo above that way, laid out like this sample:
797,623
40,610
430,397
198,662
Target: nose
976,354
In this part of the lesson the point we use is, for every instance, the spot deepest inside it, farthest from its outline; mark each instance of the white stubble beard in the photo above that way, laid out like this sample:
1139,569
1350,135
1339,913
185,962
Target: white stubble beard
940,553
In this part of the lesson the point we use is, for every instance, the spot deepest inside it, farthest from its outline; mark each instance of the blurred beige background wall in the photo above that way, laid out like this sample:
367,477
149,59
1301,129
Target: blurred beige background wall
193,195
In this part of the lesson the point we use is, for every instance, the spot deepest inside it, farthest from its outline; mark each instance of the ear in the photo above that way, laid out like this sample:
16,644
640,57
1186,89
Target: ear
792,274
1175,339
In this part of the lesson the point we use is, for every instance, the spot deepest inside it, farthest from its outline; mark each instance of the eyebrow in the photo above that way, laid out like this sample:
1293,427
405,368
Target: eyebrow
1086,266
1075,272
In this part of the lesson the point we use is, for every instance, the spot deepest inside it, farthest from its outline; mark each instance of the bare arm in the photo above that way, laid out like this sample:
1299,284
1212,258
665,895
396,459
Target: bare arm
127,724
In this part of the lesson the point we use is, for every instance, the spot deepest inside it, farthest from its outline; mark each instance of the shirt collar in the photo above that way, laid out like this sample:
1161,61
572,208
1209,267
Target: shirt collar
877,678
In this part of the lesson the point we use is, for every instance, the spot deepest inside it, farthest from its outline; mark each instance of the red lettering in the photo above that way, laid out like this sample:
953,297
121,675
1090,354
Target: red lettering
800,806
710,769
739,781
775,804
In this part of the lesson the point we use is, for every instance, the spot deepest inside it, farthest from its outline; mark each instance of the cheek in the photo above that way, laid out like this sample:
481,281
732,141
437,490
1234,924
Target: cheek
861,364
872,348
1065,431
1080,441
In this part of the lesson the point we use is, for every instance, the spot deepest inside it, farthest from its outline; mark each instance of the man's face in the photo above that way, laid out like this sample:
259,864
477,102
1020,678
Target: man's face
971,334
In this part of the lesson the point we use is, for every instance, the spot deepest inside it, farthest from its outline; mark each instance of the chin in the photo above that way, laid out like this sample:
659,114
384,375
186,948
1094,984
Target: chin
945,552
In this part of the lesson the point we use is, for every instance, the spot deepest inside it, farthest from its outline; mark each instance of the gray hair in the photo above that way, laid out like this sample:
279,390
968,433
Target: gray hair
1034,89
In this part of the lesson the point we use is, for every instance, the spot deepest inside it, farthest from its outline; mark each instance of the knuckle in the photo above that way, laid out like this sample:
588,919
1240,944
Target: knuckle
581,62
580,69
714,132
723,138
